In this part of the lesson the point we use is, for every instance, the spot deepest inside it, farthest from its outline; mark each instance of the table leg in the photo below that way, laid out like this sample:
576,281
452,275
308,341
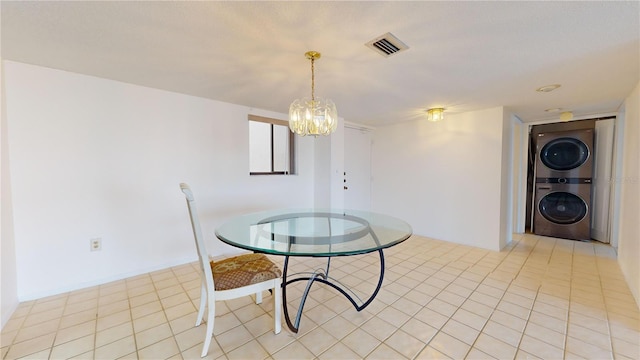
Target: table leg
322,277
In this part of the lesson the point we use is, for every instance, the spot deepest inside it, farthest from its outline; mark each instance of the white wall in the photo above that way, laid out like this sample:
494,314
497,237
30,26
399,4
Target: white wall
505,220
322,166
337,166
447,179
91,157
8,274
520,159
629,226
328,165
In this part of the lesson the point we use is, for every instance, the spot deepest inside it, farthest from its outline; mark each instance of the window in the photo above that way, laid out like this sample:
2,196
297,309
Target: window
270,147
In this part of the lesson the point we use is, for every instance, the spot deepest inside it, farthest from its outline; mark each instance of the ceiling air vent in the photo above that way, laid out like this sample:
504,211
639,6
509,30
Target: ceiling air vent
387,45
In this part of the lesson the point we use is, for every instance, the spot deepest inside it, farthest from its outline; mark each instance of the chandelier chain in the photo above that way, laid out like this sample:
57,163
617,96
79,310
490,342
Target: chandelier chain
313,79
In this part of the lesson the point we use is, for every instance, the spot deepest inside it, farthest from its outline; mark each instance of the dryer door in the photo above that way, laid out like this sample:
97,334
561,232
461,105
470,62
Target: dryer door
562,208
564,153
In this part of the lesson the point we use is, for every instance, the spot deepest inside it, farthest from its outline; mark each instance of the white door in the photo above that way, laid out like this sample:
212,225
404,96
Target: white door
357,165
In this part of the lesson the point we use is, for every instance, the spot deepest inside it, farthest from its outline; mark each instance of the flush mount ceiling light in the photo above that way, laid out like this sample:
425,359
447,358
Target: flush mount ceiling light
566,116
548,88
435,114
313,116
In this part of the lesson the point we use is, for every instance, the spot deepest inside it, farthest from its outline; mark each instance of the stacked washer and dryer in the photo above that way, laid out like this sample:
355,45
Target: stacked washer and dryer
564,170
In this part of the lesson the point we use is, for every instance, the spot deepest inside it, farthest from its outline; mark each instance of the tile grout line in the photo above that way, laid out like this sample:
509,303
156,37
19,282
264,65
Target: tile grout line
522,333
566,331
95,327
55,336
606,311
440,292
133,329
467,298
501,298
388,305
173,334
424,306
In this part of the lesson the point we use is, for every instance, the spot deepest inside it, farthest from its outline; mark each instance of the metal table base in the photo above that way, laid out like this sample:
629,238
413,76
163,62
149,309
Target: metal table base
322,276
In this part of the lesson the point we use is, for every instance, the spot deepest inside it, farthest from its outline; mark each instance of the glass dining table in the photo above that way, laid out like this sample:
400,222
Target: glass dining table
316,233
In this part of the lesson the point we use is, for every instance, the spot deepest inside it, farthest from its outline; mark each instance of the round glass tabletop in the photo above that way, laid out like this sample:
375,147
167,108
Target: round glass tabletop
310,232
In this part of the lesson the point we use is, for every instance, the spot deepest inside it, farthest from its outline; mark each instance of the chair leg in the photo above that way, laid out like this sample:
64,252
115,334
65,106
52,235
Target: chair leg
259,297
211,314
277,307
203,299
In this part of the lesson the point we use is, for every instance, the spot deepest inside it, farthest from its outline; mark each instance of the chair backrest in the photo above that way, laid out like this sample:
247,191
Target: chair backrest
203,255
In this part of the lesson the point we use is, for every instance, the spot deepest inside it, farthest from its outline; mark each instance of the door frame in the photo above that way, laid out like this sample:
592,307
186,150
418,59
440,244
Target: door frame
520,177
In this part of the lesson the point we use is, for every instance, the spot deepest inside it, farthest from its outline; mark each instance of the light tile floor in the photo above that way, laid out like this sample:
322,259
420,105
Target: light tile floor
538,298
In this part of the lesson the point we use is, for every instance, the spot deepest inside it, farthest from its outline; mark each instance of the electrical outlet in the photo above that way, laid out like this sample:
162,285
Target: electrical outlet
95,244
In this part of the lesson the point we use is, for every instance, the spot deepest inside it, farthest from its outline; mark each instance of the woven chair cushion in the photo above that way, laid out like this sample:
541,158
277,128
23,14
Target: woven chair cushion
243,270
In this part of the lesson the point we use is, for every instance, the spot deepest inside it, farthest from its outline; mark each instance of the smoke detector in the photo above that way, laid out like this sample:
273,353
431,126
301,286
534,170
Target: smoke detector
387,45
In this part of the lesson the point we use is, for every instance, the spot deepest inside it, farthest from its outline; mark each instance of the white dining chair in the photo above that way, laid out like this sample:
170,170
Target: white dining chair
231,278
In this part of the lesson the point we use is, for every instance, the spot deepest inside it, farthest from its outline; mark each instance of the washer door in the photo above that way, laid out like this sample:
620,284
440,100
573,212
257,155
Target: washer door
564,153
562,208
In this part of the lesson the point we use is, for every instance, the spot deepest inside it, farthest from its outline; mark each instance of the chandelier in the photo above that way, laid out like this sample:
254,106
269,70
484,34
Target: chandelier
313,116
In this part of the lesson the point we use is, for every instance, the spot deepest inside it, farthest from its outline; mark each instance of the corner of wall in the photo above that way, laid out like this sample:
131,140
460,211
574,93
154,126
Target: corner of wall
506,174
8,277
629,208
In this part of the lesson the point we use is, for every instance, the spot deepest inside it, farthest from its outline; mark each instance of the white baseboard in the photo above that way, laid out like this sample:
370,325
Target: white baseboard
39,295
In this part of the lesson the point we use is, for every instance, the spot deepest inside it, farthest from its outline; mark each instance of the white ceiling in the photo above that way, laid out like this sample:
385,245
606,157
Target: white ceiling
463,55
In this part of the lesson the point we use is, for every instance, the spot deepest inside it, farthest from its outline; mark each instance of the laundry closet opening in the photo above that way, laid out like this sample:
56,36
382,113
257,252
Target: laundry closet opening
569,172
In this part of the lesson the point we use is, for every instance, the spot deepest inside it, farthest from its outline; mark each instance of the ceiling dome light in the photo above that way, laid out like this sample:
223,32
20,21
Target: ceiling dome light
548,88
435,114
566,116
313,116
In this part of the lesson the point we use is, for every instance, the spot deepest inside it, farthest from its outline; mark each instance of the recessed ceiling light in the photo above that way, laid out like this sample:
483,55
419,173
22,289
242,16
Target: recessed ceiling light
553,110
548,88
